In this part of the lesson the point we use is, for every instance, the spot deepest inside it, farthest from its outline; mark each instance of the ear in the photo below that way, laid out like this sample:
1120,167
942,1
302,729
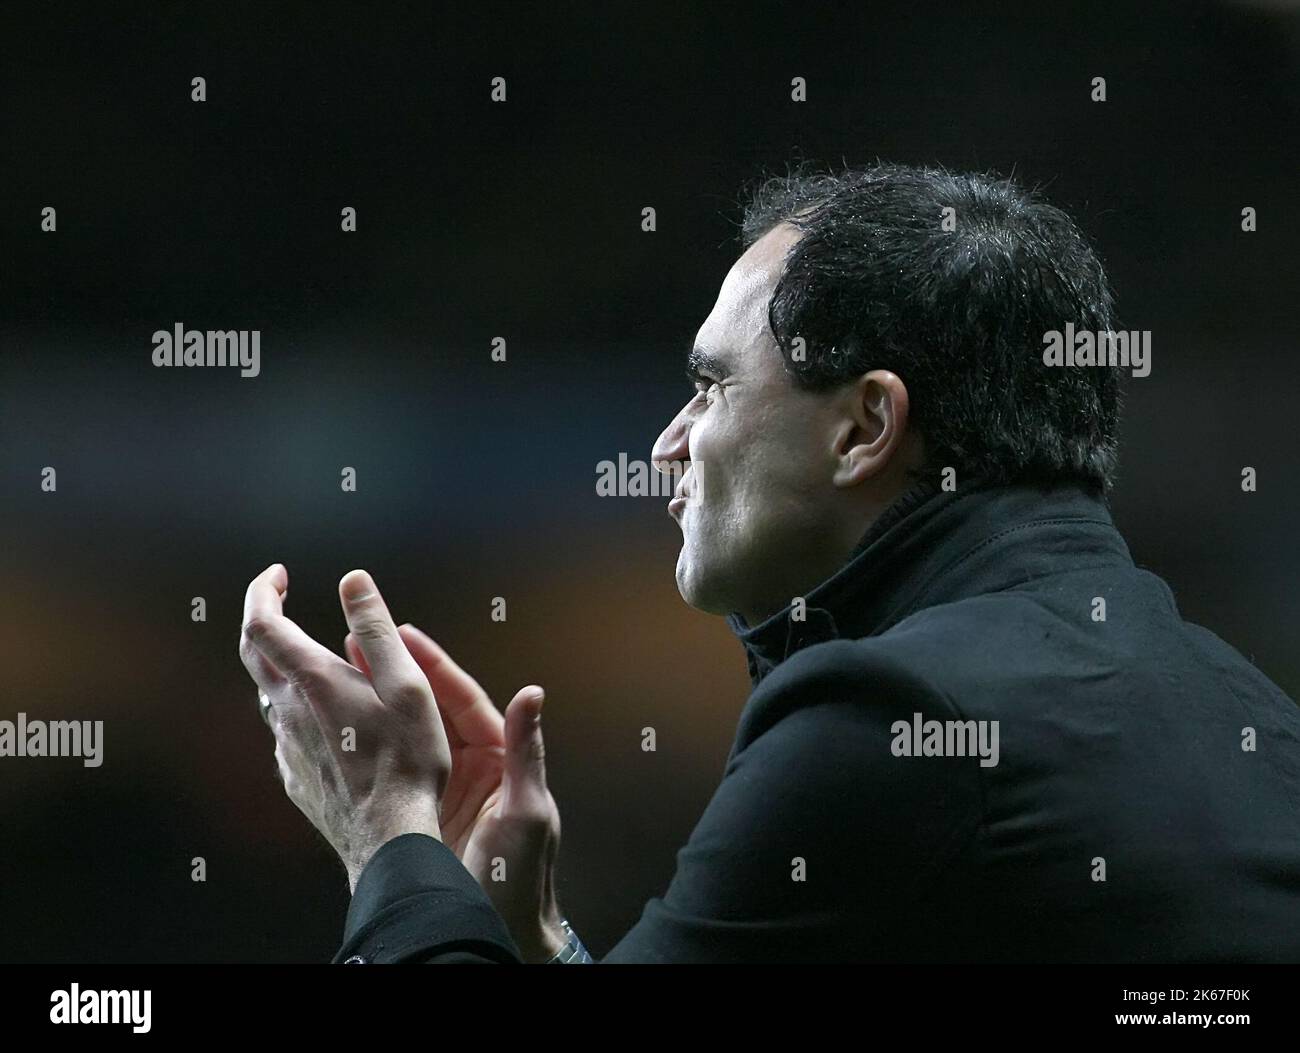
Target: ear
874,424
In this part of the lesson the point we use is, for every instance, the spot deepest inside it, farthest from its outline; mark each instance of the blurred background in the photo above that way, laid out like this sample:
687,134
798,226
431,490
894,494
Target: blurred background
477,479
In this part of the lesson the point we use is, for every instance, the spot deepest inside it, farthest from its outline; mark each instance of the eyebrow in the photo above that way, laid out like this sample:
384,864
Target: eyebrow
699,362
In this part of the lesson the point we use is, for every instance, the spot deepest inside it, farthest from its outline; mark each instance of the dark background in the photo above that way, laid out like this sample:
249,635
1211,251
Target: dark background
477,479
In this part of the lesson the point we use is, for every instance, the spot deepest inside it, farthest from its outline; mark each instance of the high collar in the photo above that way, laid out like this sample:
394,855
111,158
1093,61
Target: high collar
931,547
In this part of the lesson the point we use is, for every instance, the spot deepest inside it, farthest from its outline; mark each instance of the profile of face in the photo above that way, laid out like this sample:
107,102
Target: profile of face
780,482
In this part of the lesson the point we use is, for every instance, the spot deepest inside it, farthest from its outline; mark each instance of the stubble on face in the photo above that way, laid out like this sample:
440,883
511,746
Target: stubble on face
755,484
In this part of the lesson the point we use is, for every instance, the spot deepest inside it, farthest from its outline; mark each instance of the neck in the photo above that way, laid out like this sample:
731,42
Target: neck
816,565
931,548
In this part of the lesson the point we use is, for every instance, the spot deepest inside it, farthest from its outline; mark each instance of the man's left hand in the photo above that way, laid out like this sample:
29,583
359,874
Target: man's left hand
365,758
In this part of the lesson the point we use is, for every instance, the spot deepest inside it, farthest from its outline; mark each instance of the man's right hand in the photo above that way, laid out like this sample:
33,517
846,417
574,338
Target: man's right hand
496,806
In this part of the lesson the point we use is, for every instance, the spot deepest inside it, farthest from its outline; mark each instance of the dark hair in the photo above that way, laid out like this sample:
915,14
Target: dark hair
875,282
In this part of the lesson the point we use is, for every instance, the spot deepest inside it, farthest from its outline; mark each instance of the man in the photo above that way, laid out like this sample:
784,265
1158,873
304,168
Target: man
977,731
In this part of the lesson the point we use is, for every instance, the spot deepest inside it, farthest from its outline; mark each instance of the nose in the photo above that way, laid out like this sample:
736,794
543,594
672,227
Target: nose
672,444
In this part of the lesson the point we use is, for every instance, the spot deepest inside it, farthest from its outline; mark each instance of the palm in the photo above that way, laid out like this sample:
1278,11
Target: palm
495,810
473,818
471,801
474,824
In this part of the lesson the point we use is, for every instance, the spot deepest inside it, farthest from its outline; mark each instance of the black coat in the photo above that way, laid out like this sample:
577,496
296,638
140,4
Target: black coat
1145,803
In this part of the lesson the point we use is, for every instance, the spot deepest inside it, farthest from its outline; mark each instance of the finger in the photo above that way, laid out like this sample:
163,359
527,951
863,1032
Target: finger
454,736
265,593
393,671
353,650
464,705
523,785
290,650
264,674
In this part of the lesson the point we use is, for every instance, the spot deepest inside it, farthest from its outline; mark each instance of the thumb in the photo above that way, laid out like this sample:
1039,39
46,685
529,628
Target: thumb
524,781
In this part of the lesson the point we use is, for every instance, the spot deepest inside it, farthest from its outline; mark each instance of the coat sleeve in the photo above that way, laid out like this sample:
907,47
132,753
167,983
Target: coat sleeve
415,902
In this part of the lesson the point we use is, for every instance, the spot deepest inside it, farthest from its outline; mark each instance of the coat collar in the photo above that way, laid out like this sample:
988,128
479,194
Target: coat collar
931,547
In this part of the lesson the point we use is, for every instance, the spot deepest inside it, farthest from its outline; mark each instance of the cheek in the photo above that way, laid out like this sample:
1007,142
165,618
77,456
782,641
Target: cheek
718,454
771,478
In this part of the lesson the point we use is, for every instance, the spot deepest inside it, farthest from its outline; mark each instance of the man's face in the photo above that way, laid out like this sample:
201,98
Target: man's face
757,500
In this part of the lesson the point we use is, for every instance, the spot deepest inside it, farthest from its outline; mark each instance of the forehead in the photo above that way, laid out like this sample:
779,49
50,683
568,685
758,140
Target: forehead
738,322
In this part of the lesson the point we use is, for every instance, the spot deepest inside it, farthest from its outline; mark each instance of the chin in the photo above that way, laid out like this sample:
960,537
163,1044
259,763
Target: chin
700,587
